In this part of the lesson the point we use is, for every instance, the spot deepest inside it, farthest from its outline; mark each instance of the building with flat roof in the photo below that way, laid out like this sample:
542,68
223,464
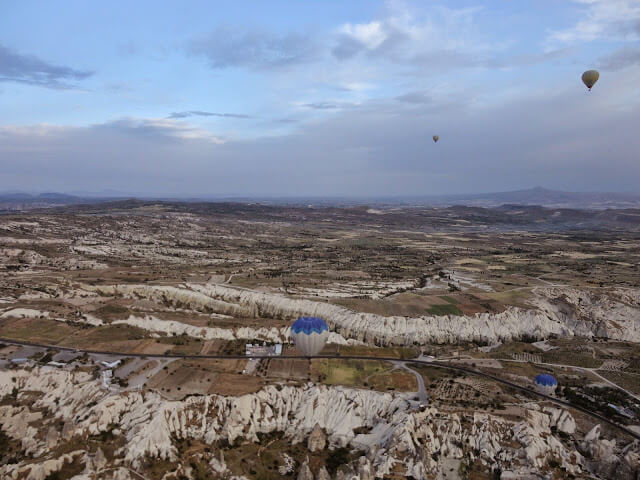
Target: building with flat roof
263,350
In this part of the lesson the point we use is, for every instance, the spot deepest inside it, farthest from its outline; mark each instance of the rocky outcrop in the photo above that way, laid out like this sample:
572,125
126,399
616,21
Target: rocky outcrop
365,469
16,422
317,439
597,448
305,472
217,463
53,437
24,313
397,438
323,474
603,454
614,315
287,466
96,462
171,327
42,470
612,318
541,447
561,419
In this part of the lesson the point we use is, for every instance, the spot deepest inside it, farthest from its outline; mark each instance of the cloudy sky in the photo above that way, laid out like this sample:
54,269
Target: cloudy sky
318,98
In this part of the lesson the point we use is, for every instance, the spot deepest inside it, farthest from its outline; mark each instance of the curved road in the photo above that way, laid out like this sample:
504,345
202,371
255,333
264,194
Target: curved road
583,369
422,391
458,368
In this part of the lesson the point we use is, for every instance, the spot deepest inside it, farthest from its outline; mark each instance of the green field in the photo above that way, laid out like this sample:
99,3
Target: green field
362,373
362,350
629,381
577,359
444,310
35,330
183,344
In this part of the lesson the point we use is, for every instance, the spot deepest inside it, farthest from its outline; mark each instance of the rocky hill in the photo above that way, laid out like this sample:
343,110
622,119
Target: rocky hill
558,311
63,422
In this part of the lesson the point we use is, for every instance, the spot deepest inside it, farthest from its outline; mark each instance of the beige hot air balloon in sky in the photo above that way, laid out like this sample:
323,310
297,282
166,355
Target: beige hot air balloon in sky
435,138
590,77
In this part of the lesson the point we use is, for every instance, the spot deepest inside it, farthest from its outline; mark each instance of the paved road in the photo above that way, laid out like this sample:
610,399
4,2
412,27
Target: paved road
422,391
584,369
137,381
435,364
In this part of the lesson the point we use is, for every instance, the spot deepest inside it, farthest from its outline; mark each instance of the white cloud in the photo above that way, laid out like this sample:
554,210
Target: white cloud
404,35
612,19
356,86
371,35
562,140
141,128
38,130
162,127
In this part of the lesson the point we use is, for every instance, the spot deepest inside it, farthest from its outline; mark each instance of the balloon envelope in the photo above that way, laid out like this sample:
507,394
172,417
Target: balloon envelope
546,380
590,77
436,138
546,383
310,335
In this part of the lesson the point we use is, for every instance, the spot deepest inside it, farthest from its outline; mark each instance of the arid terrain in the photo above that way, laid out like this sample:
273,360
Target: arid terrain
127,304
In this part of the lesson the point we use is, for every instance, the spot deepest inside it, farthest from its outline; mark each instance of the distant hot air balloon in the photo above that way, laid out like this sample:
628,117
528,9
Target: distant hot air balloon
590,77
310,334
436,138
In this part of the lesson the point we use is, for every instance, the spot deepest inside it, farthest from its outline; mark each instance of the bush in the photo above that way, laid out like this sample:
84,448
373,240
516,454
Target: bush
46,358
339,456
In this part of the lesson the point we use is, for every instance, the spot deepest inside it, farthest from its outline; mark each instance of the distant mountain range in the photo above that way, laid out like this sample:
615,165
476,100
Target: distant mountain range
533,196
539,196
50,198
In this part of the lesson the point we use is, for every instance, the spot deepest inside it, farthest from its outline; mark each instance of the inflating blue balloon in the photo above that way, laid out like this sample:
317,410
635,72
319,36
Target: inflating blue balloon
310,335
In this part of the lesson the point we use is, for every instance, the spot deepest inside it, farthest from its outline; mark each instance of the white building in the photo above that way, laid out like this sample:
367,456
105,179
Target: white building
263,350
107,375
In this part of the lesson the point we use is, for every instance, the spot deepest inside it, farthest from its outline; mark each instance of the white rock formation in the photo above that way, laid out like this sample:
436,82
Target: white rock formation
622,322
171,327
24,313
317,439
40,471
616,315
305,472
16,421
540,446
420,441
561,419
597,448
287,466
323,474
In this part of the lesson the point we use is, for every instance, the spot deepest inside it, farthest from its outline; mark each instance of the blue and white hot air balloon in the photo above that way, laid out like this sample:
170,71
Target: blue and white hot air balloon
546,383
309,335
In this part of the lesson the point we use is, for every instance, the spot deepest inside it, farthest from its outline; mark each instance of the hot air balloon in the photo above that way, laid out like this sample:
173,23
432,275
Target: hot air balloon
436,138
546,383
310,334
590,77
